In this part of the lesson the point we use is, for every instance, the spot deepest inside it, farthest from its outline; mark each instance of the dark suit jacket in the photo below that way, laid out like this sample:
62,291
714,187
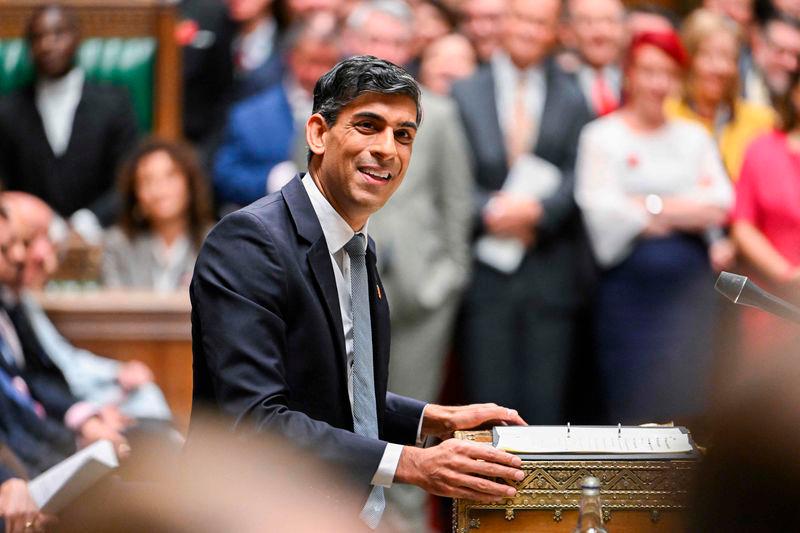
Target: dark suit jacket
104,130
45,380
559,262
260,134
267,335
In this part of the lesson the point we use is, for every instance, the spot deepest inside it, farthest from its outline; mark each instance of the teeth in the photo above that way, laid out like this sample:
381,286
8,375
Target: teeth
376,176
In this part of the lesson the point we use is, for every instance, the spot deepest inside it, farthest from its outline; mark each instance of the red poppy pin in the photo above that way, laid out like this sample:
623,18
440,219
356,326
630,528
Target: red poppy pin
380,296
186,31
632,161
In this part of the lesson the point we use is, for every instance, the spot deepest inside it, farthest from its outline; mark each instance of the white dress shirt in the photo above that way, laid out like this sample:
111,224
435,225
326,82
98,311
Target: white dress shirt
57,100
337,234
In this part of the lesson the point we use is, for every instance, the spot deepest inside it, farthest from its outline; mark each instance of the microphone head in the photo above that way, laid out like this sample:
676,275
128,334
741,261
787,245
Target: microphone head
730,285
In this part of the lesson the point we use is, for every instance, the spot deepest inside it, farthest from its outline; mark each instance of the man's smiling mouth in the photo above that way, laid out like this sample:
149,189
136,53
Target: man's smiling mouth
384,175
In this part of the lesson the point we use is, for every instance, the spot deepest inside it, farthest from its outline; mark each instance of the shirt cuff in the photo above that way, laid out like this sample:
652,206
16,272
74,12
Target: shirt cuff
420,441
384,477
79,413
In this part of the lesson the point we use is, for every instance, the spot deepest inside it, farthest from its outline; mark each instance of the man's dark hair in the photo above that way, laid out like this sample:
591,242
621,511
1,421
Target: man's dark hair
68,13
781,18
358,75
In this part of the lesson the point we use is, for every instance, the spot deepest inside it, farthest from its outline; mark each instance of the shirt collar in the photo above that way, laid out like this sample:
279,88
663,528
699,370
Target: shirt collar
508,71
70,83
337,232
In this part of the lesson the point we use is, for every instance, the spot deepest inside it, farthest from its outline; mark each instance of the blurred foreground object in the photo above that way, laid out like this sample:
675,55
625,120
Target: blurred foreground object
222,483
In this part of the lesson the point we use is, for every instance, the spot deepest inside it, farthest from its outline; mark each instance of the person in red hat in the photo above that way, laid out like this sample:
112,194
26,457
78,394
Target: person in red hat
654,195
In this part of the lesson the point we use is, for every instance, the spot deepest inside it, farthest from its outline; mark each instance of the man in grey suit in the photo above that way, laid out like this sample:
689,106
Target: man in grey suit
422,234
519,321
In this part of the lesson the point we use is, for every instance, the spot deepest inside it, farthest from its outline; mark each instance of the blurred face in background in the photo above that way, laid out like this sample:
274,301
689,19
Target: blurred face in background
429,25
381,35
714,67
483,24
531,30
638,22
303,9
790,7
310,59
446,60
31,220
598,30
162,189
244,11
740,11
54,41
12,254
650,78
776,52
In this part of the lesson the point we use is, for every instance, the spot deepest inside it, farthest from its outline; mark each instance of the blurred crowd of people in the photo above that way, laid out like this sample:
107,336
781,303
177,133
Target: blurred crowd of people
582,171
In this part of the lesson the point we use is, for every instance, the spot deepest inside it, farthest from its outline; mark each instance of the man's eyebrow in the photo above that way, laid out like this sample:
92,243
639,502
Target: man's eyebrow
375,116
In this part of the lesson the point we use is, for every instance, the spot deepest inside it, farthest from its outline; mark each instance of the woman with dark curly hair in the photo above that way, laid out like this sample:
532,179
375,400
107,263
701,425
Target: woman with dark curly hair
166,212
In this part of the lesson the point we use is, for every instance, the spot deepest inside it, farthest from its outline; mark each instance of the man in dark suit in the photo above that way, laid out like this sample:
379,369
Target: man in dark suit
518,321
290,323
62,137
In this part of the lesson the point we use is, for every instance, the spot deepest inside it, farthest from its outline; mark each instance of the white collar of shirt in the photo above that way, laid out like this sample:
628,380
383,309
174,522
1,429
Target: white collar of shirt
337,232
506,76
57,100
256,46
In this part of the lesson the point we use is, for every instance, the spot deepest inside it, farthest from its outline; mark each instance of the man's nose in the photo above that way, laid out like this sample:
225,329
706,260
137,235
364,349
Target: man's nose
383,145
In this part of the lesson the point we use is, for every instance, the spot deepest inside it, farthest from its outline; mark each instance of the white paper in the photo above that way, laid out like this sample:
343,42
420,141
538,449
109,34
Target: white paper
58,486
531,177
590,440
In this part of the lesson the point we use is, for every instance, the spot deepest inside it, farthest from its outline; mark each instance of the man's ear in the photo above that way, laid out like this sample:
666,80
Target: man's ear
316,130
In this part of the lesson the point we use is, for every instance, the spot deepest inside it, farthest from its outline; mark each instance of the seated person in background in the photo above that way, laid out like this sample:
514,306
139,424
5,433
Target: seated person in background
18,511
39,414
62,137
166,212
92,378
710,93
264,132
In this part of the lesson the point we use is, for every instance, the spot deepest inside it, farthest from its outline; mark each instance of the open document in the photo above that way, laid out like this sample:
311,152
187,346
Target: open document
55,488
592,440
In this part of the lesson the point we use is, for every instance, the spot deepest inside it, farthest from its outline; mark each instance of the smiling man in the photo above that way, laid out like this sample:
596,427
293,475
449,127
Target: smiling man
291,323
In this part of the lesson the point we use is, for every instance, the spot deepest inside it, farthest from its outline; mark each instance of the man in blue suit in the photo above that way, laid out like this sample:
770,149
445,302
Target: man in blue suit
290,323
263,131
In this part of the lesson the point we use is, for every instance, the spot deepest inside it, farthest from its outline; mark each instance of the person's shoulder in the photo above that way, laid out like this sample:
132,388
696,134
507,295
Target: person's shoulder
10,103
477,80
115,239
754,113
767,143
690,131
605,127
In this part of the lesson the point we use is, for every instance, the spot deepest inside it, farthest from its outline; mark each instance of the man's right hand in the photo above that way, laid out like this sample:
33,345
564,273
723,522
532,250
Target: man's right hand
453,469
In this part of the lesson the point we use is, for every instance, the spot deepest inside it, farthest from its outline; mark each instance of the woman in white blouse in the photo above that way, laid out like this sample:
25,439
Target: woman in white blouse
654,194
166,213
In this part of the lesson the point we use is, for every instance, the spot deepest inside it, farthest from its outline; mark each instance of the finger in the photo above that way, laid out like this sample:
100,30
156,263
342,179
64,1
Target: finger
483,468
483,486
492,455
468,494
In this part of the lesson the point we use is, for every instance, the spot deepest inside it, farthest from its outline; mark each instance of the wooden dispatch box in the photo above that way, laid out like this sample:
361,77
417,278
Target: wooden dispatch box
638,495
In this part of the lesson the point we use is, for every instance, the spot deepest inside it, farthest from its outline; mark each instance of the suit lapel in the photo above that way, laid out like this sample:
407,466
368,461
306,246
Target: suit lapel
319,261
486,101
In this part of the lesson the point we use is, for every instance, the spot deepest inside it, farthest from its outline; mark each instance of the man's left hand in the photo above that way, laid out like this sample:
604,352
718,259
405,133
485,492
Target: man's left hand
133,375
441,421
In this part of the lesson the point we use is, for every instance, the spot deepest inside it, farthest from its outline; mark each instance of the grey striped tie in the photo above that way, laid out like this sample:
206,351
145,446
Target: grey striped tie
365,417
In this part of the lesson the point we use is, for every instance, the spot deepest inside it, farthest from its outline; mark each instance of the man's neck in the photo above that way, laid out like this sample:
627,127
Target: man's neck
357,223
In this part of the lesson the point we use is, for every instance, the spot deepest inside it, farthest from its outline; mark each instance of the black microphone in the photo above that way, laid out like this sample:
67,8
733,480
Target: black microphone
741,290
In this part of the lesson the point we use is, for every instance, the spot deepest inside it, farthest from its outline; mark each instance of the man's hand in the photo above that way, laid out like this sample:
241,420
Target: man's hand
452,469
133,375
113,418
507,215
722,254
18,508
95,429
441,421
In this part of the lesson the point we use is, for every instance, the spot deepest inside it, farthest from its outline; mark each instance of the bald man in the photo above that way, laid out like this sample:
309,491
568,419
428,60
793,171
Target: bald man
104,382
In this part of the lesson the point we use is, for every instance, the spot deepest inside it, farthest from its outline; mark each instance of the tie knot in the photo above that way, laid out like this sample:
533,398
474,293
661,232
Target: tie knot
355,247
